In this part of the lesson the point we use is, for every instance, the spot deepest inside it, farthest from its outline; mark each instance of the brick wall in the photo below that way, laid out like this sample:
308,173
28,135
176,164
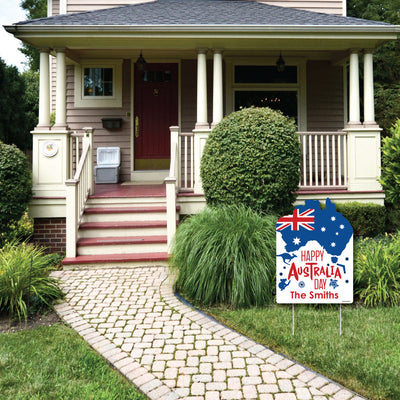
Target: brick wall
50,233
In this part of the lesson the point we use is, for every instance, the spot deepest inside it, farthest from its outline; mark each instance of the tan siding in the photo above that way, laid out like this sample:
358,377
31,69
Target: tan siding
326,6
77,118
55,7
74,6
325,109
188,94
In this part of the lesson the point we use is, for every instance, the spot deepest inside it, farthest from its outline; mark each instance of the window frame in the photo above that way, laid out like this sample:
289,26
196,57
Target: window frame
114,101
299,87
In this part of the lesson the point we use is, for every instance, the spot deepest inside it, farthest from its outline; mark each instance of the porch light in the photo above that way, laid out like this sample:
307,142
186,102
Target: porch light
280,64
140,63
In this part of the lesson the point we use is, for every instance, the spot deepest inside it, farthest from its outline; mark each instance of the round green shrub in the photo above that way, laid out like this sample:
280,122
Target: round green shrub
252,157
15,188
226,255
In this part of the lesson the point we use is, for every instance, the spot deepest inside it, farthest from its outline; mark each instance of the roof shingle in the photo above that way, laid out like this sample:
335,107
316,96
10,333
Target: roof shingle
200,12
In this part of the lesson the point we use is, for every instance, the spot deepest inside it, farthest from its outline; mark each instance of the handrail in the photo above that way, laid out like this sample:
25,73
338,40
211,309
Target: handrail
78,189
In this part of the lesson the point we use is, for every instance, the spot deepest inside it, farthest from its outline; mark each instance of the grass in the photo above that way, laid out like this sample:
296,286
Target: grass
366,358
55,363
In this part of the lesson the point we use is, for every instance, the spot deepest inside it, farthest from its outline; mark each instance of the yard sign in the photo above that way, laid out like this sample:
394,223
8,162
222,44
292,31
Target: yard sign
314,256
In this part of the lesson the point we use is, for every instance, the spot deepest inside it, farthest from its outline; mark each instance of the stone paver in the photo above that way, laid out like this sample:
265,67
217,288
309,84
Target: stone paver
171,351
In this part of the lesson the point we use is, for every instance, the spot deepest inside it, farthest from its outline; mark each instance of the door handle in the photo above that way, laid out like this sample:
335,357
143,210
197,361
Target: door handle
136,127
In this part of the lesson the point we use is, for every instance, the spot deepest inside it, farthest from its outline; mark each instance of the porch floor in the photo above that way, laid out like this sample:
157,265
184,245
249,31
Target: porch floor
128,189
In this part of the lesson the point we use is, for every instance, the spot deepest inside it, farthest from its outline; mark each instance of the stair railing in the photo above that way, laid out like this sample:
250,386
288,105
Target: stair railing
171,186
78,189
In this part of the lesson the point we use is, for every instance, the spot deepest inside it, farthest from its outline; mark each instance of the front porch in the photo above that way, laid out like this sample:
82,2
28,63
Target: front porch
331,167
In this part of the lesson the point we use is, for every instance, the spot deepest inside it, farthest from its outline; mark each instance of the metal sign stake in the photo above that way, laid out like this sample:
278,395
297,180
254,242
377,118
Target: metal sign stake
293,319
340,319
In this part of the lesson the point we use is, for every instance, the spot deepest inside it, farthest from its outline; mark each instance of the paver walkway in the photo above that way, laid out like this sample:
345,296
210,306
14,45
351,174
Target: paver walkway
170,351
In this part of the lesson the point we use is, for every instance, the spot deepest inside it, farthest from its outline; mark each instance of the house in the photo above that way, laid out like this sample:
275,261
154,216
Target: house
152,77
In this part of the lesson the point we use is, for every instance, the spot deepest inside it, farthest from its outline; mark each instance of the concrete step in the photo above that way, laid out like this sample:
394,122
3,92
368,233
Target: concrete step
116,260
122,245
122,228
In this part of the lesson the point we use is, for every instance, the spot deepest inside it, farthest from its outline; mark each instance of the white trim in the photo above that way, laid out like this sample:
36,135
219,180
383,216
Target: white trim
63,6
114,101
49,8
300,86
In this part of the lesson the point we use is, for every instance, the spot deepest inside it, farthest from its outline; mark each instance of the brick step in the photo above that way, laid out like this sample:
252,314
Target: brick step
122,228
117,260
110,214
121,245
125,202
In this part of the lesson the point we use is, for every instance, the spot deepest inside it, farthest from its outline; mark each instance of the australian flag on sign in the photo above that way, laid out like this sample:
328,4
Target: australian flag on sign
309,222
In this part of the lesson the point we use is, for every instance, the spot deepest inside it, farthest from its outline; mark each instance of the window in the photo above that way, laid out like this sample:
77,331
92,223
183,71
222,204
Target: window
256,82
98,84
285,101
264,74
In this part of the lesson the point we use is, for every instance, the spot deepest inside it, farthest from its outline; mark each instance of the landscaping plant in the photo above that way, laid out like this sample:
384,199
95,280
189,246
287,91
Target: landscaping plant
15,189
377,271
24,278
252,157
226,255
390,177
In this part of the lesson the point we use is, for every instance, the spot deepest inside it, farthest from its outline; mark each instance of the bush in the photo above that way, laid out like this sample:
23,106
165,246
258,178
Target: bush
377,271
226,255
15,188
21,283
252,157
390,178
367,219
20,231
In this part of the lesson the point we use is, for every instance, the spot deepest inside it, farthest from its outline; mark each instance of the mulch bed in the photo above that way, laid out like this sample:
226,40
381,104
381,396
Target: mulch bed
8,325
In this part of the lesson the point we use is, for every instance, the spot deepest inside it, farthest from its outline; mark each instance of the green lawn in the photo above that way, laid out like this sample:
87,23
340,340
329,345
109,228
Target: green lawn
366,358
55,363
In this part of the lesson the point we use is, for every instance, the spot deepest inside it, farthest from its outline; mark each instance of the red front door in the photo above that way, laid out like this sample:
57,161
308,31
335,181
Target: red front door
156,109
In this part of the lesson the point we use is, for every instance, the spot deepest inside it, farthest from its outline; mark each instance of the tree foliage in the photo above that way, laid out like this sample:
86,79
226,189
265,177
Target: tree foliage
14,128
386,59
34,9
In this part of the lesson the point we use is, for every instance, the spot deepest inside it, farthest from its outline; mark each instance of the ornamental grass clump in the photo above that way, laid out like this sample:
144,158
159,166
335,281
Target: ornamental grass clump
24,279
377,271
226,255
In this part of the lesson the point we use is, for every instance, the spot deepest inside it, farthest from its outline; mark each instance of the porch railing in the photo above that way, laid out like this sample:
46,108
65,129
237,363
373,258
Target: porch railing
186,161
324,159
171,184
80,186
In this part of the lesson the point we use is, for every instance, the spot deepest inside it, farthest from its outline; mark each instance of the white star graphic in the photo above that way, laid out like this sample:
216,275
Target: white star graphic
337,233
296,241
333,218
323,229
341,226
333,244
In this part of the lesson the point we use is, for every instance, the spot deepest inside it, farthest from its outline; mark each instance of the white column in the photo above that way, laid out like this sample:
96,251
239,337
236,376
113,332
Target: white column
369,108
218,112
44,91
61,95
354,101
202,118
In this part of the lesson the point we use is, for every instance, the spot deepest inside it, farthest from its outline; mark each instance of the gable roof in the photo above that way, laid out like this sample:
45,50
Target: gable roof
201,13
